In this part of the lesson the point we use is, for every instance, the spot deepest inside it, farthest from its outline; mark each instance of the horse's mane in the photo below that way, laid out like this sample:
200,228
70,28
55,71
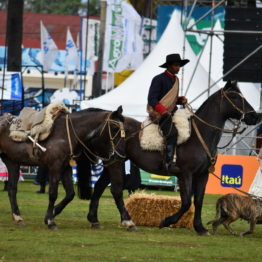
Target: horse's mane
207,101
132,123
92,109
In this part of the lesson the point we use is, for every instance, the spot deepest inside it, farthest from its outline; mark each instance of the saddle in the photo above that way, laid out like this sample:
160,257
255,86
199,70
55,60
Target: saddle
37,124
151,137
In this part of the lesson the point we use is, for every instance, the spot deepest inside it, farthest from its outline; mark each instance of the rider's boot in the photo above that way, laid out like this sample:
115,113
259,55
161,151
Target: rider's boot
171,164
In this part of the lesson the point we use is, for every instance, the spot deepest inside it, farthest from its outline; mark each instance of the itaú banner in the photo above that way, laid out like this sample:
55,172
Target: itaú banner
235,172
10,86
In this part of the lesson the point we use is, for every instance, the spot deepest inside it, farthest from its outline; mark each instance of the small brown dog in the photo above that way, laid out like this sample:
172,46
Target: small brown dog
230,207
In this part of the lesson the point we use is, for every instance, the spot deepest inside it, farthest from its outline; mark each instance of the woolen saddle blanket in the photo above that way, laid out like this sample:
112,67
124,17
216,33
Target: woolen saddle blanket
151,137
37,124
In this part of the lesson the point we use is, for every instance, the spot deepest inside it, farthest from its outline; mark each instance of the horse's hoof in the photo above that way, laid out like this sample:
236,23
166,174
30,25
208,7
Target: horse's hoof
163,224
132,229
95,225
20,223
204,233
52,227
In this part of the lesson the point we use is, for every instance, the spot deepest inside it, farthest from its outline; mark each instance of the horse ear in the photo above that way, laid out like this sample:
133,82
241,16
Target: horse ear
234,83
230,83
119,110
118,113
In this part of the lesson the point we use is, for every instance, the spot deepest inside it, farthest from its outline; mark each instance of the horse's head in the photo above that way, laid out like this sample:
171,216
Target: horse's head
236,106
109,139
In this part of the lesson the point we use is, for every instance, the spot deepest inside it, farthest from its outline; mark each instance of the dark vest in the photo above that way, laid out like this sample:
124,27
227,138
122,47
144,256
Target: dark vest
160,85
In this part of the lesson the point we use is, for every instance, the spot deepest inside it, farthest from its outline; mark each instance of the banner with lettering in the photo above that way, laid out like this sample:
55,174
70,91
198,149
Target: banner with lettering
123,43
233,173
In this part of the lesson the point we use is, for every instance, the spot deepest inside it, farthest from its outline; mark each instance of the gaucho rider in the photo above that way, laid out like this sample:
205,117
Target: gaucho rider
162,103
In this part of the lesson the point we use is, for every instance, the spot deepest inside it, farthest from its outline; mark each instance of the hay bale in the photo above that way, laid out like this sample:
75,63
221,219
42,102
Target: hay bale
149,210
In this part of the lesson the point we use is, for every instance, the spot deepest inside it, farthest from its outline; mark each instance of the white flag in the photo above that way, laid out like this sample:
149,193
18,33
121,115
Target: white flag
49,49
71,58
123,47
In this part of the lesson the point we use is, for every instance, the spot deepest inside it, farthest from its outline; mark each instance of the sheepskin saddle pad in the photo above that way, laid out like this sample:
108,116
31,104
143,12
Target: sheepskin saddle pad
151,137
36,124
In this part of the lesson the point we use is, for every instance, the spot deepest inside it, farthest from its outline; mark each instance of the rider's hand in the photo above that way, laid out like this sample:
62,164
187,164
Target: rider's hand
181,100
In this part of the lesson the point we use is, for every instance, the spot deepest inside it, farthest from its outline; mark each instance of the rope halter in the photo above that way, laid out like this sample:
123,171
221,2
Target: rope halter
108,123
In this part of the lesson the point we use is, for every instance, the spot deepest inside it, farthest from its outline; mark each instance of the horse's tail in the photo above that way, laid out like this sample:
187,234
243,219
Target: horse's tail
84,187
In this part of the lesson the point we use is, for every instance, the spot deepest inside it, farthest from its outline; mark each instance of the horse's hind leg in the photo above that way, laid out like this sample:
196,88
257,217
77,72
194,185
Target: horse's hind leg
100,187
53,192
199,184
185,184
13,177
69,188
116,178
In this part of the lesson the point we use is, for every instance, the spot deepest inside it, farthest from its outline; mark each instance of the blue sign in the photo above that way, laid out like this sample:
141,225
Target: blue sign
231,175
16,87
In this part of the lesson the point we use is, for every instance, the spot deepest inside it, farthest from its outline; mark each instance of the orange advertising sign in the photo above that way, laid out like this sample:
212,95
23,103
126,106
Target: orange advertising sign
234,172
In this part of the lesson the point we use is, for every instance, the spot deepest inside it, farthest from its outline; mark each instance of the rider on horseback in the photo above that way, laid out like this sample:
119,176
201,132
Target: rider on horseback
162,103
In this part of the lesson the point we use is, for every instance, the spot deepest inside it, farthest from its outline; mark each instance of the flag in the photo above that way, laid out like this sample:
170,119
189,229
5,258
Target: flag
11,82
75,82
49,49
71,57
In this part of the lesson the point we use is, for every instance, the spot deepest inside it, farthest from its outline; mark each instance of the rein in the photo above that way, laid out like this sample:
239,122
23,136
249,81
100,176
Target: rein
108,121
235,131
213,159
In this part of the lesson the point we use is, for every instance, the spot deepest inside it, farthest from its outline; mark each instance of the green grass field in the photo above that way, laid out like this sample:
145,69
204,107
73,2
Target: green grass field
76,241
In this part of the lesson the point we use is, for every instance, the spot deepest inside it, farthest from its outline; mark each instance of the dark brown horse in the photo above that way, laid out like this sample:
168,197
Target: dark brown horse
101,127
193,159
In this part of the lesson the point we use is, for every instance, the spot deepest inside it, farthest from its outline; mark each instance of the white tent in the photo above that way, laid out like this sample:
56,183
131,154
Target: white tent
132,94
251,91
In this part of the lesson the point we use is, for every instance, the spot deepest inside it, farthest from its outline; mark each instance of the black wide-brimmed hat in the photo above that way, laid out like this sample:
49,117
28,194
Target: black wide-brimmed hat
174,58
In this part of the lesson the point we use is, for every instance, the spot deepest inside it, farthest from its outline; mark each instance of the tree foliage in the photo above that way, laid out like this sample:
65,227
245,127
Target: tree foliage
3,4
69,7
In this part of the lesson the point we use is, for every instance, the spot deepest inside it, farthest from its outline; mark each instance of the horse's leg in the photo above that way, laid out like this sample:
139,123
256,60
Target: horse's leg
185,185
199,186
13,177
116,178
54,176
100,187
67,182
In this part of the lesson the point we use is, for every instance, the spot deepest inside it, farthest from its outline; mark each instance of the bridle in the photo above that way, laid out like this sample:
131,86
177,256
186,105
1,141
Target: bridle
213,159
120,130
241,111
234,131
106,126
